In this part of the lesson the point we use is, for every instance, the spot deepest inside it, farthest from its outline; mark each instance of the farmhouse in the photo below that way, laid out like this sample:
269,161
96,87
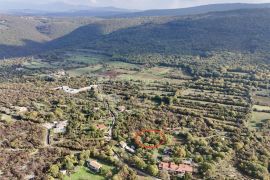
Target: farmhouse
93,165
176,169
75,91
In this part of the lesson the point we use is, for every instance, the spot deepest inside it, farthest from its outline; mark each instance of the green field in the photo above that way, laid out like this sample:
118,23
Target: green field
36,64
87,59
261,108
85,70
258,117
83,173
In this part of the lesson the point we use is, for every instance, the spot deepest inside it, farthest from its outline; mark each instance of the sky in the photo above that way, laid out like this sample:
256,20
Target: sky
133,4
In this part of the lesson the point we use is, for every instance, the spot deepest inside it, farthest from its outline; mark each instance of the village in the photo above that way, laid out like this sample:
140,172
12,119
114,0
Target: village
94,121
164,162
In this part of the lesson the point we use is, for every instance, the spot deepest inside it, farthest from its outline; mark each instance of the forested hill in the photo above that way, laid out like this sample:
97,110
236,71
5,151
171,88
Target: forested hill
238,30
241,30
195,10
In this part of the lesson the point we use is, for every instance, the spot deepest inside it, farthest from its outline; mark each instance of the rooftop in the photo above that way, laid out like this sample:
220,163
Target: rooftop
176,168
94,164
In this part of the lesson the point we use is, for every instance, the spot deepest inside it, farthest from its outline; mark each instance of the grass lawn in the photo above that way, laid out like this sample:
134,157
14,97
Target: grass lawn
122,65
37,65
262,100
83,172
81,71
261,108
89,59
258,117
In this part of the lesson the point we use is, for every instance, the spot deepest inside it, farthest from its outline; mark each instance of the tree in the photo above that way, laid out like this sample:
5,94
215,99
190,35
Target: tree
180,152
59,113
104,171
69,165
187,176
152,169
207,168
239,145
54,170
139,162
164,175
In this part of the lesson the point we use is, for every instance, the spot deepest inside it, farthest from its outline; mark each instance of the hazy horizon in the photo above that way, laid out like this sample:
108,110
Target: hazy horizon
125,4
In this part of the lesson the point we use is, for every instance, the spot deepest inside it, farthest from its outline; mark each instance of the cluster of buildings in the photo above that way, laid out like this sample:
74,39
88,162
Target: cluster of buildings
177,169
75,91
187,166
58,127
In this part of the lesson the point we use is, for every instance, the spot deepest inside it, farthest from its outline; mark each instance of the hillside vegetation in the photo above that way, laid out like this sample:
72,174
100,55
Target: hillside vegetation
21,35
241,31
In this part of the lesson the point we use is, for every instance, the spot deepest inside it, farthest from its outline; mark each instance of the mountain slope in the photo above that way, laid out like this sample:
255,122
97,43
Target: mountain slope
25,35
60,9
196,10
238,30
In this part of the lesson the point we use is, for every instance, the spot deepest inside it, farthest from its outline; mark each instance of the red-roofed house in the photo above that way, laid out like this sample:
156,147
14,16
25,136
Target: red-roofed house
176,168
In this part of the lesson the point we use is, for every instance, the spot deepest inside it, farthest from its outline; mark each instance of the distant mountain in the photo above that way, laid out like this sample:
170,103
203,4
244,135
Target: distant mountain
196,10
92,12
67,10
60,9
245,30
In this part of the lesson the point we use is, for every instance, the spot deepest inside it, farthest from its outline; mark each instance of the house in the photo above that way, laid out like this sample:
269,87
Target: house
101,126
61,127
123,144
126,147
75,91
93,165
175,168
129,149
49,125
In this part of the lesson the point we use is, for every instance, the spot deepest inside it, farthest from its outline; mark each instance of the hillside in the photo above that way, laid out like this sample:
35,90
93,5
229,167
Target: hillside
24,35
196,10
239,30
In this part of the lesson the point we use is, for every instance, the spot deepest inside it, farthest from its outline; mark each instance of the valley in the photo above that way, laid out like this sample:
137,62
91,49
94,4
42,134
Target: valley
217,121
106,93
